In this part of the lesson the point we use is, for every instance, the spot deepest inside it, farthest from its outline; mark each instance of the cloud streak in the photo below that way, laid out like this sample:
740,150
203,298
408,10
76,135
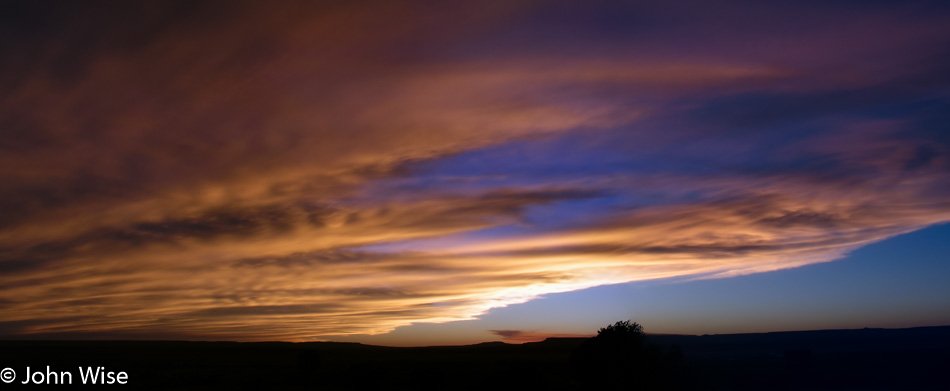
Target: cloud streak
304,171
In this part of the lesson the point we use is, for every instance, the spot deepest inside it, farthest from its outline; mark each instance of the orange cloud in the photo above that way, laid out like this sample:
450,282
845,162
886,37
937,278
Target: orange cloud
207,177
264,277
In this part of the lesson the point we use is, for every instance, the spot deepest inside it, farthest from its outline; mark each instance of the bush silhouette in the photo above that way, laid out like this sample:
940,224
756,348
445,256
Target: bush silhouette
622,343
617,356
622,331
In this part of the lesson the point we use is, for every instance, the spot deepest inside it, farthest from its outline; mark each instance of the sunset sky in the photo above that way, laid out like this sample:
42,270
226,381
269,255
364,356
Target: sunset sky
428,172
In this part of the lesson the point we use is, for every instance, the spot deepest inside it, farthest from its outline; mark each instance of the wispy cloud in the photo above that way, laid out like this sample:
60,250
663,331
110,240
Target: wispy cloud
246,174
521,336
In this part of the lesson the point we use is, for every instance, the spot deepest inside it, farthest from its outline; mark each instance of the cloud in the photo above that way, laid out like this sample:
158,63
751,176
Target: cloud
520,336
507,333
246,172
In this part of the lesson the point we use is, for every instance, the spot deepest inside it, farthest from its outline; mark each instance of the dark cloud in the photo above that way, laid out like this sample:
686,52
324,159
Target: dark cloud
802,218
241,311
507,333
315,258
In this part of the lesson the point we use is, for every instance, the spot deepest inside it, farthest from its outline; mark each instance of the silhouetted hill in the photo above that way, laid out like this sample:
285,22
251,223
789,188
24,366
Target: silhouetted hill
899,359
819,341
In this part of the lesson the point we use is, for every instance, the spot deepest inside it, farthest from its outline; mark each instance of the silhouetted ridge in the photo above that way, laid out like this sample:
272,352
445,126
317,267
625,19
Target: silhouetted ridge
897,359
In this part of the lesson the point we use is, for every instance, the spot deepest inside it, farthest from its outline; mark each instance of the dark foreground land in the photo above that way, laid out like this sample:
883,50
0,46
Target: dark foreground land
868,359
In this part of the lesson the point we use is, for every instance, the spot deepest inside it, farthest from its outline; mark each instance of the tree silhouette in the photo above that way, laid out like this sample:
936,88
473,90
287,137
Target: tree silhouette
622,343
618,355
623,330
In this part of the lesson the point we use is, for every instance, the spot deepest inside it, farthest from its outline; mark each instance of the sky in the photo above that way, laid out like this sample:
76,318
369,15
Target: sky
412,173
